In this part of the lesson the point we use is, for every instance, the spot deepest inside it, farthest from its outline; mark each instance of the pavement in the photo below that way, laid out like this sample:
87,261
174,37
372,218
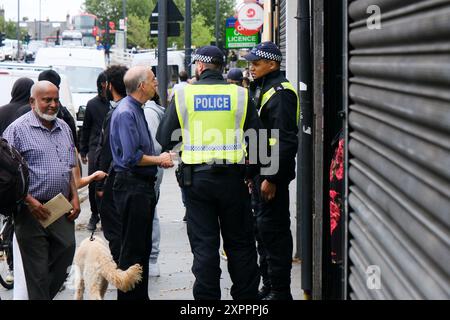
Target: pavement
175,259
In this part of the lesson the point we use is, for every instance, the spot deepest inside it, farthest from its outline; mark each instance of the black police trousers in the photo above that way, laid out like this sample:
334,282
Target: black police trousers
273,232
135,201
220,203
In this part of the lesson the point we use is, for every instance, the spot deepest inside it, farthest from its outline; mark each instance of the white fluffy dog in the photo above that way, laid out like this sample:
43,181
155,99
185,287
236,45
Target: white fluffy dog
96,268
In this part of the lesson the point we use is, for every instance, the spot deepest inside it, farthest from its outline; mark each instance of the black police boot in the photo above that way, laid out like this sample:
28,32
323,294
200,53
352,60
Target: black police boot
263,292
278,295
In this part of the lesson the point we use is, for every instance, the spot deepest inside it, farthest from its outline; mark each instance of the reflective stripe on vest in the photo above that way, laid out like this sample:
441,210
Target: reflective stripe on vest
286,85
212,121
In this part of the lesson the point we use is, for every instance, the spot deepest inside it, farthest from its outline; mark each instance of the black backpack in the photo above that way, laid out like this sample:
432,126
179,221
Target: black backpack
14,177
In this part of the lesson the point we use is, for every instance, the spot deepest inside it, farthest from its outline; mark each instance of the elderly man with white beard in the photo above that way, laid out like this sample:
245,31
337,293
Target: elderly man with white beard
47,145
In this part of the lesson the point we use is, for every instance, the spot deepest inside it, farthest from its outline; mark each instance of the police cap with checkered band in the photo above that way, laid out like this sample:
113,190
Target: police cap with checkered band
209,54
265,50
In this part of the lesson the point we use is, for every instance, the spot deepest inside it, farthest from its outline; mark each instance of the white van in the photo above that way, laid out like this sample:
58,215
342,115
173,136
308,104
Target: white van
10,50
81,65
175,63
10,72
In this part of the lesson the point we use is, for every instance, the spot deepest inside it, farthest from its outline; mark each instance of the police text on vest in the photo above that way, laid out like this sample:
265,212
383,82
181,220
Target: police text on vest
212,102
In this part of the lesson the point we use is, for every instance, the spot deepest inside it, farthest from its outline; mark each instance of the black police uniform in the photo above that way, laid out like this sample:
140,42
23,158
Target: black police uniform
274,236
218,200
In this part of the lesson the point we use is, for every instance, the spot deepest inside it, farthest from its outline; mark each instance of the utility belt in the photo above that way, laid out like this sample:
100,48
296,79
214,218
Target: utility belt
184,172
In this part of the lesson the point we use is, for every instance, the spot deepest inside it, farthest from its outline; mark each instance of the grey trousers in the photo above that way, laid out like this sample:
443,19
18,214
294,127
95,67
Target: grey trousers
156,233
47,254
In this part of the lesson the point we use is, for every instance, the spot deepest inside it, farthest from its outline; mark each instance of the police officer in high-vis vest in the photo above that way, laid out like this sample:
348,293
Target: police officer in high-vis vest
279,109
213,116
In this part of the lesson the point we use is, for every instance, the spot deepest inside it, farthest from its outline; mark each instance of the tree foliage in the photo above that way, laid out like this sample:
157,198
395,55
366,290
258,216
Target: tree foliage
137,35
9,28
207,9
139,11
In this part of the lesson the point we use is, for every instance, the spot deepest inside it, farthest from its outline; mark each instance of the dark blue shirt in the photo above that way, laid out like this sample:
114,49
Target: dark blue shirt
130,138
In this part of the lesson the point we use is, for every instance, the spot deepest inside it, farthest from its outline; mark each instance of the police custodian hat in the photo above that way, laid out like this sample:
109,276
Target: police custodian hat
265,50
235,74
209,54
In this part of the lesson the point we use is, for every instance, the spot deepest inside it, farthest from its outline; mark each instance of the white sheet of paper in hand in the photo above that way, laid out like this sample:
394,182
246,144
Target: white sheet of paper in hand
58,206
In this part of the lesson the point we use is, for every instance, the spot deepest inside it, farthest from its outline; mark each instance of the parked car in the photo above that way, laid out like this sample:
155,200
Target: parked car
32,49
10,50
10,72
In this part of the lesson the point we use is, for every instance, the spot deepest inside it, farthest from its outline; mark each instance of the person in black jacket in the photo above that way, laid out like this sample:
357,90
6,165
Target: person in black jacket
63,113
20,95
111,221
279,110
96,111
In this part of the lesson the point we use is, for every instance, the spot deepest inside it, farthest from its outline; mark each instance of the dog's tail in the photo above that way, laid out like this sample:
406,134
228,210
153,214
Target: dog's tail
122,280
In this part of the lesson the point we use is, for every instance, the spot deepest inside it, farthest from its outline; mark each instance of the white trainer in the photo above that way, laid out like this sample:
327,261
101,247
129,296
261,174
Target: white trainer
223,255
153,270
9,277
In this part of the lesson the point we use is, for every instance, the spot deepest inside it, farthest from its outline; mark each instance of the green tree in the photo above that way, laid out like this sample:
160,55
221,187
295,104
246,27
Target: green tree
111,10
10,28
137,34
139,11
207,9
105,10
202,34
140,8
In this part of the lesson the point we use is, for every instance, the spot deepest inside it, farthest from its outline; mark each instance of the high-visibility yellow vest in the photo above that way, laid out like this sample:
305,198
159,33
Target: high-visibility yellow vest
266,97
212,121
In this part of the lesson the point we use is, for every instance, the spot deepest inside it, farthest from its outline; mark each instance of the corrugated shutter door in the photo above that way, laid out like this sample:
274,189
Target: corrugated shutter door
399,151
282,32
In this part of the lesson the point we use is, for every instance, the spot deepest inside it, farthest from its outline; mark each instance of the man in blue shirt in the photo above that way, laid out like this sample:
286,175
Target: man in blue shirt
135,165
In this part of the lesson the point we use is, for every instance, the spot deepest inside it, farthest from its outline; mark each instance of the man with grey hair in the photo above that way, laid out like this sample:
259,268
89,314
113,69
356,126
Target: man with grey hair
135,164
47,145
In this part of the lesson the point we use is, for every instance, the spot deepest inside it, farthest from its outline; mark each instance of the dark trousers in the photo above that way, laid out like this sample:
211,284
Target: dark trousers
91,170
275,246
111,219
135,202
219,202
7,236
46,253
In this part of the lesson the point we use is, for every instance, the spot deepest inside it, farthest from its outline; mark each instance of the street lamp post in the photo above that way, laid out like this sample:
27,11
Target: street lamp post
18,30
124,7
188,37
162,52
217,22
40,21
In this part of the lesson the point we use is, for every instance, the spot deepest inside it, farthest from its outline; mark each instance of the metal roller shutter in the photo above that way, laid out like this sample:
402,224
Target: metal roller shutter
282,32
399,151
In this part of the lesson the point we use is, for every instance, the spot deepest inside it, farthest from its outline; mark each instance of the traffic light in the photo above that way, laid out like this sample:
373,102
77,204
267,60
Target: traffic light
106,37
27,38
2,37
58,32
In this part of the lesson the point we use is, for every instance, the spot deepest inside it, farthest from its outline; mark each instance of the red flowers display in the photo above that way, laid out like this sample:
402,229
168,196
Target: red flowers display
336,203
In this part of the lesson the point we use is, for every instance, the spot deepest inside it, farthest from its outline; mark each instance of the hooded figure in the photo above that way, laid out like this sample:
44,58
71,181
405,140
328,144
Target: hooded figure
20,95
